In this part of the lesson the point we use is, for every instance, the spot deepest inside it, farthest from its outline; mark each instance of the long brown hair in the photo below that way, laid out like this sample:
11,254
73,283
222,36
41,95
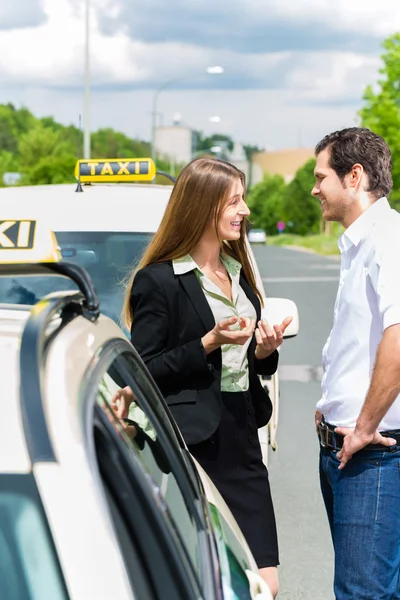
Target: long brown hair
200,193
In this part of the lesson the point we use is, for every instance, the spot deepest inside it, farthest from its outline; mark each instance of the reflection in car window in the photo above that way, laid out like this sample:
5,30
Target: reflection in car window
23,538
140,434
107,256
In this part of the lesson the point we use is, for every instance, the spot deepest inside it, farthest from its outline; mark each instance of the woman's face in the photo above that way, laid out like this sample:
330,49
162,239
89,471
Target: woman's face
235,210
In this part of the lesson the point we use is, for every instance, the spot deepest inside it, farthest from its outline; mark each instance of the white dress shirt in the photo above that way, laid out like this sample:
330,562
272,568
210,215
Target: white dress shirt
367,302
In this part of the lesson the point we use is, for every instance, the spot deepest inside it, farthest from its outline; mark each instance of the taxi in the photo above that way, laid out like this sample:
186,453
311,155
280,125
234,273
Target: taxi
91,507
103,224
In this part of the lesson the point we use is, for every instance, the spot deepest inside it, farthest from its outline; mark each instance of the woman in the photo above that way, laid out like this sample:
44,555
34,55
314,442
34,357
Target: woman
194,312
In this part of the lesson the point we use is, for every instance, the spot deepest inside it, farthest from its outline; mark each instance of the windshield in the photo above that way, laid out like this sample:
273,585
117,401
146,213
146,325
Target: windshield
108,257
29,568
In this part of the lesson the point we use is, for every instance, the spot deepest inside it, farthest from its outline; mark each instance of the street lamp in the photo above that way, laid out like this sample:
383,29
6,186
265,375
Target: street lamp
213,70
86,107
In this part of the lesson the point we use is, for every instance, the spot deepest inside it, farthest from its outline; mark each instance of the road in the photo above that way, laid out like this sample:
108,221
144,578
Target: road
306,555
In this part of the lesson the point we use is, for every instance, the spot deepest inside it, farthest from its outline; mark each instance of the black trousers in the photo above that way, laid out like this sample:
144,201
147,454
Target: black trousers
232,459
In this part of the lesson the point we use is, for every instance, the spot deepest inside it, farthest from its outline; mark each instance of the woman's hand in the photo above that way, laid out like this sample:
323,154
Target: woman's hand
120,404
222,333
269,339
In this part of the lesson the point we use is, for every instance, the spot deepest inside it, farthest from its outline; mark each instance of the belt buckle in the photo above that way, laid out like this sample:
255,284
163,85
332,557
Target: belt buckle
323,434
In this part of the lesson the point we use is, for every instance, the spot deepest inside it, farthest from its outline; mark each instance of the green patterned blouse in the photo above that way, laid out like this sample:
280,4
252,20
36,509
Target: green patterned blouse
235,371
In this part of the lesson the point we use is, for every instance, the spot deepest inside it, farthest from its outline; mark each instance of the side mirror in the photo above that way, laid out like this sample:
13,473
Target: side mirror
276,309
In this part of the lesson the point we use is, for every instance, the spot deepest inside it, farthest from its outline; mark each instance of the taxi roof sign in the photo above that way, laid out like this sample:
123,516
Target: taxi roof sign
25,241
117,170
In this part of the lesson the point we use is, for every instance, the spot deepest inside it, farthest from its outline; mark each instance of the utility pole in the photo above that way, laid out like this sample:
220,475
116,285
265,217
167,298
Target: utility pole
86,109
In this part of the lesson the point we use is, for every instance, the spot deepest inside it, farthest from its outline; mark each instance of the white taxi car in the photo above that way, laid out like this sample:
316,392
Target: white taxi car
90,508
103,224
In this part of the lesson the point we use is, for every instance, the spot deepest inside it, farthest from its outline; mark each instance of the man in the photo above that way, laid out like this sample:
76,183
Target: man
358,416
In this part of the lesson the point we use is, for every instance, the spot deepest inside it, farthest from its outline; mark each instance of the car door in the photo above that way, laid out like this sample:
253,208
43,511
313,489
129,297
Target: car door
143,473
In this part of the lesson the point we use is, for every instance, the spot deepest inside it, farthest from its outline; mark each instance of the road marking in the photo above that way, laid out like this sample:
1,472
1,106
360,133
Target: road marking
334,267
300,373
299,279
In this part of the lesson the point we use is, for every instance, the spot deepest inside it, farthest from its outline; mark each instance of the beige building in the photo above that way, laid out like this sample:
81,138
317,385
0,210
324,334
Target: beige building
174,143
279,162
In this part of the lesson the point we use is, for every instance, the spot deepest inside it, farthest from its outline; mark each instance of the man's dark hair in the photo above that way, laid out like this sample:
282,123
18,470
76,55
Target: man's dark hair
359,145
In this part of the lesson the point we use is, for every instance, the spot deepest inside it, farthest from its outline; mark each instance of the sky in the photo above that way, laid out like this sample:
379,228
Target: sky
294,70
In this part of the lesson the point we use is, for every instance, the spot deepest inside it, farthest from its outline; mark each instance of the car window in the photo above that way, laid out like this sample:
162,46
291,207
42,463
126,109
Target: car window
142,437
107,256
29,568
151,441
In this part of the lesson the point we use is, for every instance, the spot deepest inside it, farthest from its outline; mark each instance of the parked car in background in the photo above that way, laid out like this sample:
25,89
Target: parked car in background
257,236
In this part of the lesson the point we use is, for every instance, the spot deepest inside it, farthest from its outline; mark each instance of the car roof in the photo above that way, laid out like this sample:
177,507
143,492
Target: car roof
14,457
100,207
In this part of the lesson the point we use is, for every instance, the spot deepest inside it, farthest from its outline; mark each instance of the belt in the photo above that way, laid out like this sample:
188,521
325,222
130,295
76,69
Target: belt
329,439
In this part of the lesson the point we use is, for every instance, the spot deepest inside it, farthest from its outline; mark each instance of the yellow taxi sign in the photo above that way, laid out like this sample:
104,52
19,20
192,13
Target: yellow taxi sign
117,170
24,241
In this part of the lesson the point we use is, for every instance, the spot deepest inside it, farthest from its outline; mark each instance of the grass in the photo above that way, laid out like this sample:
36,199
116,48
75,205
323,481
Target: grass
321,243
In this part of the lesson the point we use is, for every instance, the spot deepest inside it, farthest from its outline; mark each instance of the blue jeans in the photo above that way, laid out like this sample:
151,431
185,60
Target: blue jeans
363,506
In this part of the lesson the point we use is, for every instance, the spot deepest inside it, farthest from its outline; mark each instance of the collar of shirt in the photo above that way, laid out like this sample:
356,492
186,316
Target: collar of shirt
186,264
362,226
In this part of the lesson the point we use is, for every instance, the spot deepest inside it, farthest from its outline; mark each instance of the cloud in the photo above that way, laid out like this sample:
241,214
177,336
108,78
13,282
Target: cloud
255,26
309,56
118,63
15,14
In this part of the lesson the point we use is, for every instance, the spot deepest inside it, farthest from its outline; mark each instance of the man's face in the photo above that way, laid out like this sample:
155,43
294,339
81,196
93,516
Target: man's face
335,197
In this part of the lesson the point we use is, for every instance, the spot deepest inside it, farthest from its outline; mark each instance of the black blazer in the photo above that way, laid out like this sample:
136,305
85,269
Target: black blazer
170,316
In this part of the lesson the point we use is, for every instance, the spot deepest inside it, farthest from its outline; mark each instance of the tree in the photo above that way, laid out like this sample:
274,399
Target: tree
381,110
299,206
107,143
41,142
8,163
204,144
51,169
265,202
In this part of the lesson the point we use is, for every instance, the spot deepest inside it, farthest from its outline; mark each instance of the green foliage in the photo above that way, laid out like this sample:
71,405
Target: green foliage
54,168
381,110
204,143
250,150
45,151
8,163
108,143
300,208
272,200
40,142
320,243
12,123
265,203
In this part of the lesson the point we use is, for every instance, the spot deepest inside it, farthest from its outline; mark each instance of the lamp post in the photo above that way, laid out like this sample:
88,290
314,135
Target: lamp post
214,70
86,107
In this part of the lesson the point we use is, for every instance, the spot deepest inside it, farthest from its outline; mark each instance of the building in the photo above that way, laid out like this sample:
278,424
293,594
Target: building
174,143
177,144
238,158
279,162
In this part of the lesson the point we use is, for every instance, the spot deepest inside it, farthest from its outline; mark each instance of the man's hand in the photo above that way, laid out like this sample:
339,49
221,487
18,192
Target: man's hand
269,339
318,419
355,440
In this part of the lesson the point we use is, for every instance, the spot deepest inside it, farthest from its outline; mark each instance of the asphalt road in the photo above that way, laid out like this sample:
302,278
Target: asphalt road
306,554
